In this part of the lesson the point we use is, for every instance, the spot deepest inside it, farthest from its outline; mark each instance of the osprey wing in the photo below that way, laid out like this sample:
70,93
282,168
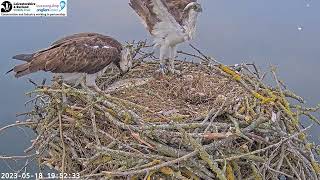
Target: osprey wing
156,16
74,54
176,8
144,9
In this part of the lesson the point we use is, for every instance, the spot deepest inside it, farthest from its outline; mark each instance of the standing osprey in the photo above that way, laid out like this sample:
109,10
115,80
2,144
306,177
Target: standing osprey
75,57
170,22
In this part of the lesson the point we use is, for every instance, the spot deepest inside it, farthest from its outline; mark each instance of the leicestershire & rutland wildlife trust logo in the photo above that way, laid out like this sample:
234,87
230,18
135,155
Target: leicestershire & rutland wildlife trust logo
34,8
6,6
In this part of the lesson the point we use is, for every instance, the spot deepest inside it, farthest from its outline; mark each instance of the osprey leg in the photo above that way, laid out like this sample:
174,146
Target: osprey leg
91,81
164,52
173,54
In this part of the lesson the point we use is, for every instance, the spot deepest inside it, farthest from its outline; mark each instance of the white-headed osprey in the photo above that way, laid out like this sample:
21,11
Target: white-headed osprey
170,22
75,57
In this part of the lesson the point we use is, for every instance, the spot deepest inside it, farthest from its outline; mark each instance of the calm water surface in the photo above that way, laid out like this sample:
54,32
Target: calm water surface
284,33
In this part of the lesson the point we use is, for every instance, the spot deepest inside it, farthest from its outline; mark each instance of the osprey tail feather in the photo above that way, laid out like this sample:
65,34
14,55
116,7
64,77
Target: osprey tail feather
21,70
23,57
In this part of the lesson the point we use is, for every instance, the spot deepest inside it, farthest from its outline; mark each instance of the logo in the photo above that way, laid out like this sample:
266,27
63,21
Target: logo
62,5
32,8
7,6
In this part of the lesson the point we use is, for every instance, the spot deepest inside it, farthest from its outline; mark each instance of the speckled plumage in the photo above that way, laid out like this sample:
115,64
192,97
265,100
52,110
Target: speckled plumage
79,53
144,8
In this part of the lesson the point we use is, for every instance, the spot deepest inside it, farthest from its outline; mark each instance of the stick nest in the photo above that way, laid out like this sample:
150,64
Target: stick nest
209,122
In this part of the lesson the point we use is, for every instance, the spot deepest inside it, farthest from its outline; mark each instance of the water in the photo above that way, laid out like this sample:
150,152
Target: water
284,33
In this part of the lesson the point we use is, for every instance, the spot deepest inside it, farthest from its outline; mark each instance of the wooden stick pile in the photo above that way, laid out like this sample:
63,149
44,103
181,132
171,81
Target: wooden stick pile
210,122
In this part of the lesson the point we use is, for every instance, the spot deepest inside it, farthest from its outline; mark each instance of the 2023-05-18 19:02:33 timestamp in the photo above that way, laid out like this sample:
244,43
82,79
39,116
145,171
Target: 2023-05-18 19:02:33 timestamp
39,175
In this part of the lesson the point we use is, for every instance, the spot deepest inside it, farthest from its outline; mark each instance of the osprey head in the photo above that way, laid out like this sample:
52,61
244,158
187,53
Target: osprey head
125,63
194,5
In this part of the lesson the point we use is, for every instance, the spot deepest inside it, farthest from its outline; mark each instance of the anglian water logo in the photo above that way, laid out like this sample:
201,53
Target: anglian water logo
62,5
6,6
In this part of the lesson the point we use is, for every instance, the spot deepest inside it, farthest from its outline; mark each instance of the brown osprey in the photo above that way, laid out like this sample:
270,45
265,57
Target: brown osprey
75,57
170,22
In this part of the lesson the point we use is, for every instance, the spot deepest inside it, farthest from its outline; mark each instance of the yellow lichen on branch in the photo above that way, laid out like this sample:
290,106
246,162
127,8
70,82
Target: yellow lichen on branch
230,172
231,72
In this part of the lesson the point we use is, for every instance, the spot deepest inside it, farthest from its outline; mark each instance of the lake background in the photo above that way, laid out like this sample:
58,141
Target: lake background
269,32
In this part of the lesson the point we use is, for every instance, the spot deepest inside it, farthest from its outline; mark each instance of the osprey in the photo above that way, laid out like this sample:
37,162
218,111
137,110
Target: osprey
170,22
77,57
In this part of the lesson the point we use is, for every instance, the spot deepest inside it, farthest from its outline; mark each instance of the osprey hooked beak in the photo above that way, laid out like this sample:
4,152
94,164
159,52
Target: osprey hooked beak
194,5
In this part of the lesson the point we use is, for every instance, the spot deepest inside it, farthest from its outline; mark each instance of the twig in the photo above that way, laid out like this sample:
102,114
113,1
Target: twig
62,142
169,163
17,124
263,149
17,157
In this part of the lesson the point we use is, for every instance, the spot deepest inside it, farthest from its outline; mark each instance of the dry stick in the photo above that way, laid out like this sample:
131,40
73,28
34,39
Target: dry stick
153,168
273,70
302,175
17,124
290,94
94,171
289,114
94,126
292,168
263,149
280,172
214,117
306,109
17,157
168,163
112,152
192,55
203,55
62,141
204,155
119,142
40,135
184,126
310,116
256,70
238,130
32,159
124,102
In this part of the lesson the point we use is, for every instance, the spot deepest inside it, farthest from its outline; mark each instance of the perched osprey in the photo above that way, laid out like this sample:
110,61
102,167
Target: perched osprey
77,57
170,22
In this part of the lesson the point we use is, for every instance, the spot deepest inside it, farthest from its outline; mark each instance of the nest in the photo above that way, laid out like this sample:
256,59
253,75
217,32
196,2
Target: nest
209,122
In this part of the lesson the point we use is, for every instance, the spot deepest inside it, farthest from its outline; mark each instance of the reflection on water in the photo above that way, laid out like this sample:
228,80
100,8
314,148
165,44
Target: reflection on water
284,33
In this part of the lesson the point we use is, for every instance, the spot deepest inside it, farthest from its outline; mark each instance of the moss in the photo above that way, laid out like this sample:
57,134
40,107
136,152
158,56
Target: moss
179,117
102,160
316,166
229,172
302,136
